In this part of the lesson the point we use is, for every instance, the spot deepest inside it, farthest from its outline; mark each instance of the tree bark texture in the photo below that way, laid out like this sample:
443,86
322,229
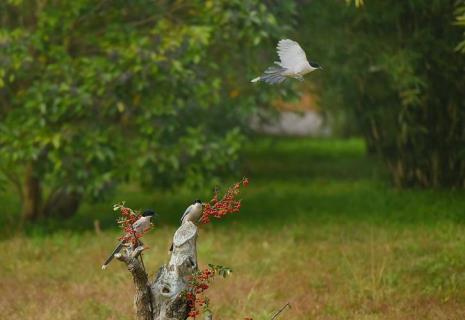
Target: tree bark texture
62,203
32,195
165,297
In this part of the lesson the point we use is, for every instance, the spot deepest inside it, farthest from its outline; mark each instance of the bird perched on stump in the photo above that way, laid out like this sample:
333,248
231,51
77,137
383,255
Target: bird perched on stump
139,227
193,213
293,64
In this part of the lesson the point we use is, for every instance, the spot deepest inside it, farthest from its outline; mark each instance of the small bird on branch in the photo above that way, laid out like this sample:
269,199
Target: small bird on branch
293,64
139,227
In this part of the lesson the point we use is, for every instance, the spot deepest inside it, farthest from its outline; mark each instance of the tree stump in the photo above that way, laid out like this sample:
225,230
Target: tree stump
164,298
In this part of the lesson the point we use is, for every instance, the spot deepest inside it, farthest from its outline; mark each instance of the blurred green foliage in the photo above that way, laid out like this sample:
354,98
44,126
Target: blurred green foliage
393,68
311,180
98,92
460,21
157,92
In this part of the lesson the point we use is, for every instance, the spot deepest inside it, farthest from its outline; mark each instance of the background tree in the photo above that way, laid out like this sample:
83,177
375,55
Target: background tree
94,93
460,21
394,69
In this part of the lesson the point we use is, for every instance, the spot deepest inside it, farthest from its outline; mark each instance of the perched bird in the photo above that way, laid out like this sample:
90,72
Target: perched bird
193,213
293,64
140,226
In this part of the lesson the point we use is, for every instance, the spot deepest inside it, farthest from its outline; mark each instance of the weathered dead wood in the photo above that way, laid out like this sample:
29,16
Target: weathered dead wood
143,295
164,298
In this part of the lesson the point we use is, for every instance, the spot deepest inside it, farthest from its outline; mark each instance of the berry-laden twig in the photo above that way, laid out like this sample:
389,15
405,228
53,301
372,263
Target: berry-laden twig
228,204
126,220
196,299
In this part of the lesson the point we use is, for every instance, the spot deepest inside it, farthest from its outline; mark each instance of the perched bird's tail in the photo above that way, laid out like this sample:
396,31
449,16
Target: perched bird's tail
117,249
272,75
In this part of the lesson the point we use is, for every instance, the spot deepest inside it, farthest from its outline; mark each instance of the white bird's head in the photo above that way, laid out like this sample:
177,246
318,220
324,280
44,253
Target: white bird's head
197,203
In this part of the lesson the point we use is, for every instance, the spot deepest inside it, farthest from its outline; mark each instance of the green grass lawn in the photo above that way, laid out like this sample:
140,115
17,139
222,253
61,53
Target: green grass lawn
320,227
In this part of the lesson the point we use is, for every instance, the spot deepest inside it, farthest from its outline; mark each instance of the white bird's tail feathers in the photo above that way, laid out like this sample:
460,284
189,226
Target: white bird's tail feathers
272,75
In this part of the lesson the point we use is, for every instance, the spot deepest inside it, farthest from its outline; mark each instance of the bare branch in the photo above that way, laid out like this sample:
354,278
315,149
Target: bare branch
143,297
281,310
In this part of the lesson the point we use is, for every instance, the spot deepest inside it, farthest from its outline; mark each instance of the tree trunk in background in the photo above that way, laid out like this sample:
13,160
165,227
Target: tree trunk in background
62,203
32,195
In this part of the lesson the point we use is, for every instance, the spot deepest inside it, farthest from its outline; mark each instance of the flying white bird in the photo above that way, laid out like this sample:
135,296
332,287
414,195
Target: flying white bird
293,64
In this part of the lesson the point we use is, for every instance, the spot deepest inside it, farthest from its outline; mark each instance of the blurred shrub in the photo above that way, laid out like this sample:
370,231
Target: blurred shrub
460,21
98,92
393,66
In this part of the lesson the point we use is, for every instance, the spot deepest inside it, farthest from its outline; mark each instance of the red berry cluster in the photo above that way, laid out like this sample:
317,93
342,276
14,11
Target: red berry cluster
126,220
228,204
197,285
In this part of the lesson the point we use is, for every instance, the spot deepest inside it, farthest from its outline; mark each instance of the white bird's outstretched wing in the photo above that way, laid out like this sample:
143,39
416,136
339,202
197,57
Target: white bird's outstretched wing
292,56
